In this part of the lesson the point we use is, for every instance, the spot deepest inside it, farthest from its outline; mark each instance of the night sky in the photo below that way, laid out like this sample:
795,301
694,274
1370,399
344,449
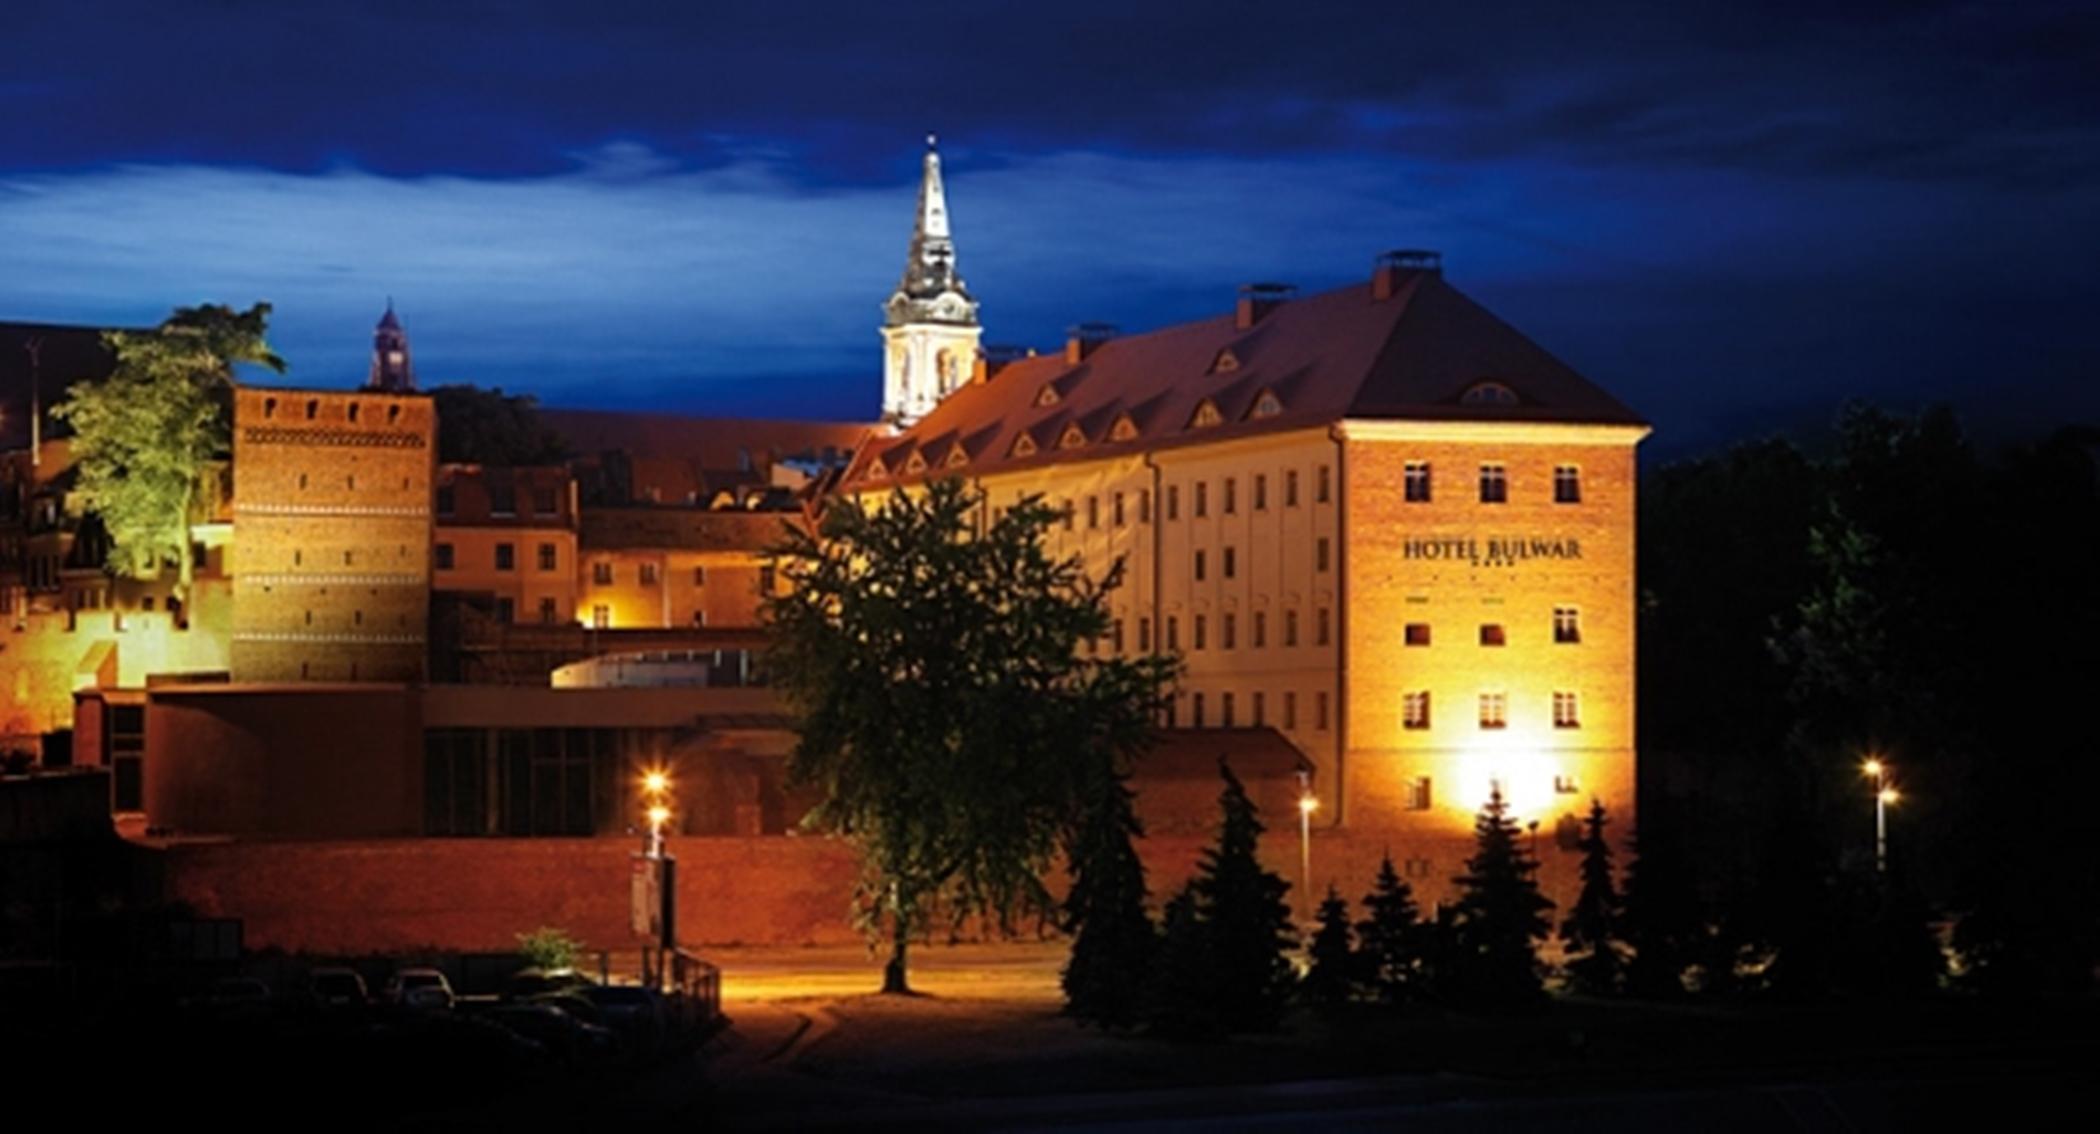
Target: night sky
1732,215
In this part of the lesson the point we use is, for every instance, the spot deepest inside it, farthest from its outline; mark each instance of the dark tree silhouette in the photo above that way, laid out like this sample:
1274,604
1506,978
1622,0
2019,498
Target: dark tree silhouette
1114,942
1181,1000
1392,939
488,427
1331,977
1591,932
1242,908
1500,917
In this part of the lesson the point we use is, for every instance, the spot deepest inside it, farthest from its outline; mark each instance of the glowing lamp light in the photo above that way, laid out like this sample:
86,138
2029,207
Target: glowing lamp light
659,815
656,782
1307,805
1888,796
1871,767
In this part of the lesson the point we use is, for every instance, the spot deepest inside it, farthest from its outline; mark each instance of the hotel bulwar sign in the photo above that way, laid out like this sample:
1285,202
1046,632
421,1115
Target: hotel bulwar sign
1492,551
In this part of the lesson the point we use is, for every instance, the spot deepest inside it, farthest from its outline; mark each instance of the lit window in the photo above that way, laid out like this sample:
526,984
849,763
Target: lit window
1567,484
1566,784
1567,624
1414,710
1494,483
601,616
1418,633
1418,797
1491,634
1566,713
1494,710
1417,482
506,557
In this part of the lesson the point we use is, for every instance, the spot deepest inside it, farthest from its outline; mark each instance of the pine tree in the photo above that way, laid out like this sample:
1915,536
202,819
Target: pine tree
1392,939
1500,914
1181,988
1114,941
1248,922
1591,931
1331,978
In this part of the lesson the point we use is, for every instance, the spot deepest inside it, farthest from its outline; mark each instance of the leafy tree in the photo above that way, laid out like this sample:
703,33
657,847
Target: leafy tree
1243,909
1181,990
944,711
1591,931
1332,974
145,434
549,948
1499,915
1114,942
489,427
1392,938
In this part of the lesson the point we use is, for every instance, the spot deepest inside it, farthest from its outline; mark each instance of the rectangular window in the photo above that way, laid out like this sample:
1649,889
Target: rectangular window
548,558
1324,489
1567,484
506,557
1417,634
765,579
1144,506
1225,710
1324,624
1261,498
1290,488
1418,796
1566,714
1261,712
441,557
1566,784
1196,708
1115,636
1229,628
1417,482
455,782
1491,634
1202,499
503,500
601,574
1066,514
543,501
1567,624
1494,710
125,754
1232,561
1320,554
1414,710
1173,633
1093,512
1202,625
1173,502
1320,711
1201,558
1144,635
647,574
699,576
1119,509
1290,627
550,612
1232,495
1290,710
1494,483
699,618
1261,628
601,617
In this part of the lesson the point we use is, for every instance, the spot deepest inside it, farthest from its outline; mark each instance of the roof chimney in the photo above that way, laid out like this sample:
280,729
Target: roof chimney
1083,338
1391,268
1258,299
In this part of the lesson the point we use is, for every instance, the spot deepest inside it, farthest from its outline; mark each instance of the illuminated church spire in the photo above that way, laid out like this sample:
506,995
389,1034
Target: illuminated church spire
930,324
390,366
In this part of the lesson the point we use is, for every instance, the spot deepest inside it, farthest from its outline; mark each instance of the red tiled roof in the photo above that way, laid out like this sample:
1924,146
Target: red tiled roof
707,444
1340,354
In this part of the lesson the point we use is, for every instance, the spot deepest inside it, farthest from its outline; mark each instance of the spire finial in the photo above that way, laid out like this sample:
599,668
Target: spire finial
932,141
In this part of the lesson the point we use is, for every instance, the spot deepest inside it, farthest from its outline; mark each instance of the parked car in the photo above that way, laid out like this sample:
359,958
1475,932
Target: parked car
338,988
540,982
560,1033
421,988
637,1013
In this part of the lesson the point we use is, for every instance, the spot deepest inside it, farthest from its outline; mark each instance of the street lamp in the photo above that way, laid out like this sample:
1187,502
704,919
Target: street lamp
1884,795
1307,804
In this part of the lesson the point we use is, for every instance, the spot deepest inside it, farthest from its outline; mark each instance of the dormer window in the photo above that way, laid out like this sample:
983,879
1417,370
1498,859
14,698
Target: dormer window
1266,405
1488,394
957,457
1206,415
1047,396
1024,446
1072,438
916,463
1225,363
1125,429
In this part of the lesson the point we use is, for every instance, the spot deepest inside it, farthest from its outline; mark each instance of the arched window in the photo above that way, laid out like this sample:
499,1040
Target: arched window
1489,394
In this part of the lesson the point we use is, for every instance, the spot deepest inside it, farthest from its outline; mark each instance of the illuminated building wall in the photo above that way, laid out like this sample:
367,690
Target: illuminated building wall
666,568
507,538
331,567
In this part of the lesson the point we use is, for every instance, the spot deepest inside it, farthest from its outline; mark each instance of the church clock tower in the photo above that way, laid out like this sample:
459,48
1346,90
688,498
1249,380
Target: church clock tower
391,371
929,327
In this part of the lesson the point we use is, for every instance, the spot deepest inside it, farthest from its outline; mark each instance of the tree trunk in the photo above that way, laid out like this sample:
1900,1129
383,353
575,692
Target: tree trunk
893,973
185,570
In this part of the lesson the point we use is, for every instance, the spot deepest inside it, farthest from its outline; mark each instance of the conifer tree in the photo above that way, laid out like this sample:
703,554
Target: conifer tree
1242,906
1500,913
1591,931
1114,942
1392,939
1181,1000
1331,977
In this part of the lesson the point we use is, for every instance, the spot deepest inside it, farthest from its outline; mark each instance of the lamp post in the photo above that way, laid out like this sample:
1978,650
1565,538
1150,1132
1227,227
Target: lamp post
654,900
1307,804
1884,795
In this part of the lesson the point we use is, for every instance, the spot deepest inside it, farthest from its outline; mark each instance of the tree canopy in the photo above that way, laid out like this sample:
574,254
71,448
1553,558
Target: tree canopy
930,650
144,435
489,427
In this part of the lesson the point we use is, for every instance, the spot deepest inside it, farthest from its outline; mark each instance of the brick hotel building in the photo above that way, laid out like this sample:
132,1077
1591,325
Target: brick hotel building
1390,537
